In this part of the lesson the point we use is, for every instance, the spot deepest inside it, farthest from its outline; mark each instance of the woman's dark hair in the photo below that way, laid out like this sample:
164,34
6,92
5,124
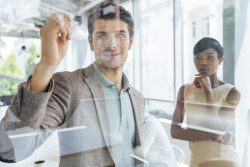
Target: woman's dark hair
110,10
207,43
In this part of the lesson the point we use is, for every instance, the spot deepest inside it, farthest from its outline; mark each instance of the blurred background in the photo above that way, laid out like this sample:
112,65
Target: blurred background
160,61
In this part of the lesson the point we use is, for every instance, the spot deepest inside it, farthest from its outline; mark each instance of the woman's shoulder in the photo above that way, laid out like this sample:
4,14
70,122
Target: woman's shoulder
232,94
185,87
228,88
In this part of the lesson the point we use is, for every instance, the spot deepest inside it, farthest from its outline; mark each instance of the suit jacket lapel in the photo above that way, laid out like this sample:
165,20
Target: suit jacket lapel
138,108
95,87
137,100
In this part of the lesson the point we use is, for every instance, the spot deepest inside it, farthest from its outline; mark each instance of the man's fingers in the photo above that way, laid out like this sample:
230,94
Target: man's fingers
59,26
49,26
67,25
67,17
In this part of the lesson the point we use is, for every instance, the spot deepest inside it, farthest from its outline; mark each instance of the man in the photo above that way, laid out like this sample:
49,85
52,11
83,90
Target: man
50,100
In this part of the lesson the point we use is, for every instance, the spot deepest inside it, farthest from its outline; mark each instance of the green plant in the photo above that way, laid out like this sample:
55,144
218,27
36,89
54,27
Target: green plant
9,68
11,75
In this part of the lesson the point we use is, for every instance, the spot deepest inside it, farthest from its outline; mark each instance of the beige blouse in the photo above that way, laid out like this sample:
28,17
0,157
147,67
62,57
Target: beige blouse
200,117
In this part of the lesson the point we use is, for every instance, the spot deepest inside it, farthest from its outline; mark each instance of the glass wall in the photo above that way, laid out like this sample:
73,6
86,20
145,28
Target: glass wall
241,58
160,61
154,54
156,48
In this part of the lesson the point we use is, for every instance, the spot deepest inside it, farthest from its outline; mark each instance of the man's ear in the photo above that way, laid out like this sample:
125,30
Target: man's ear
221,59
130,43
91,43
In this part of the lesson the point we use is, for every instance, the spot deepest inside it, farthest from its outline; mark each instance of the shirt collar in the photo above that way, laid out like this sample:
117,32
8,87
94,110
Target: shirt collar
106,82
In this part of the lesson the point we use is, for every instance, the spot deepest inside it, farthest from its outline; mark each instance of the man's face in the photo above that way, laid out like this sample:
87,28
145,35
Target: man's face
110,43
207,62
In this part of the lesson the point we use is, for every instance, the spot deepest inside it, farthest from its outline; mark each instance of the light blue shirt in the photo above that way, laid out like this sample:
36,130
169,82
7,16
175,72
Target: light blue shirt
121,119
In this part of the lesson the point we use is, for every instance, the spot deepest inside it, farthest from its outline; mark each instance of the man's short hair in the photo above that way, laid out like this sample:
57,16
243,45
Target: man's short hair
108,11
208,43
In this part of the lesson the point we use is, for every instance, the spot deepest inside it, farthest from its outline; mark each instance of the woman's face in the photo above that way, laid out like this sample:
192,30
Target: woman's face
207,62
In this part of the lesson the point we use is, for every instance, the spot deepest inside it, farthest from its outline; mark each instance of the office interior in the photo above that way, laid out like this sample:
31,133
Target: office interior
160,61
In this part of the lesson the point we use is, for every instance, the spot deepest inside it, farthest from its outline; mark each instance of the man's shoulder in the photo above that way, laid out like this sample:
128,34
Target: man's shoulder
69,74
136,92
78,73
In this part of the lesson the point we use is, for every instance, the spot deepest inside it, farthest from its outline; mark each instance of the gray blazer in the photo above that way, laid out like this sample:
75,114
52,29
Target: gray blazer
63,106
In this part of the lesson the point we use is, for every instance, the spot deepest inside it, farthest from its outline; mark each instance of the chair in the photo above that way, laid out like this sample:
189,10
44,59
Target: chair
218,163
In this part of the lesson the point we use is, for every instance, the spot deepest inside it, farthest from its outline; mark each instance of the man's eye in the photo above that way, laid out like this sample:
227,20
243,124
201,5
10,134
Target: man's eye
121,35
101,36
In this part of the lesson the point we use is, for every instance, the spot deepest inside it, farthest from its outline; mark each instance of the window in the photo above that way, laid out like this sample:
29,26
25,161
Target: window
206,26
194,29
17,62
156,49
197,17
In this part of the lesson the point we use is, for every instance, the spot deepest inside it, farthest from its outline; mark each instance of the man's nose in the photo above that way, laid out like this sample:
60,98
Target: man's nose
111,42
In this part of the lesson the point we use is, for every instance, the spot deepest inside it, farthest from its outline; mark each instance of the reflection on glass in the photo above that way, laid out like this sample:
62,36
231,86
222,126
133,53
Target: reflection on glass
98,115
82,136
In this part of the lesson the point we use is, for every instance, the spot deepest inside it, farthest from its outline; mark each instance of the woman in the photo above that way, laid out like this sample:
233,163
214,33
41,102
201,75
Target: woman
208,106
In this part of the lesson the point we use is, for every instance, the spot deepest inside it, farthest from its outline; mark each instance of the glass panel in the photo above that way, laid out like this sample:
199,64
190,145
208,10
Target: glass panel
102,126
156,48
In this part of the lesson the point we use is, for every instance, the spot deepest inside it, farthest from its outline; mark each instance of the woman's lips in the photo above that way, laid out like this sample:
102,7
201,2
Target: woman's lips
203,71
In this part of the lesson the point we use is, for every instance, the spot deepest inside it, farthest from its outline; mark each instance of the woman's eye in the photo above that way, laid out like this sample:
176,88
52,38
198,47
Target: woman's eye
210,58
196,58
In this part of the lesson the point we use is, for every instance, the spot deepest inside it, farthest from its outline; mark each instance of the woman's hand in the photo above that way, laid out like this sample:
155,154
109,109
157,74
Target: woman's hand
224,139
203,82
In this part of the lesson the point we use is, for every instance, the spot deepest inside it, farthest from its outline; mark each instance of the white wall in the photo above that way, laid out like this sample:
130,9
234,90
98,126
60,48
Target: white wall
242,77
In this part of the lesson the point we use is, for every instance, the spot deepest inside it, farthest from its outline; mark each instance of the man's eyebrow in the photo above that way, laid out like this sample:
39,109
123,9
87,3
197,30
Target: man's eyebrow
122,31
100,32
103,32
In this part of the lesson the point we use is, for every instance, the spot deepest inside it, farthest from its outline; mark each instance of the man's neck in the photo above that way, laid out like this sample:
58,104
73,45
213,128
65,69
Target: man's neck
114,75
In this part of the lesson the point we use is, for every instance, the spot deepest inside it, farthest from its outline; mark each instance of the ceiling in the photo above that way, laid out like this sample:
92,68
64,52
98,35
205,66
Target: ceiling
35,14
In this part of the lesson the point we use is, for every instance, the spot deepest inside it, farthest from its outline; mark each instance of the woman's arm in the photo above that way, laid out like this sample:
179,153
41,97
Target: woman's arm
227,115
227,110
187,134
